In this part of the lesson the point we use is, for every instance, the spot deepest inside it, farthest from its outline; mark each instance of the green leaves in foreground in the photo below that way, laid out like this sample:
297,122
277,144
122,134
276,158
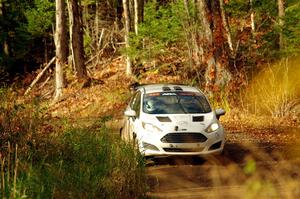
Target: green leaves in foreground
250,167
82,163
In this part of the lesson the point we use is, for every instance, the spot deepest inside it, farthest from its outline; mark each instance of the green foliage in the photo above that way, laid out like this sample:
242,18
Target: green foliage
250,167
56,160
263,45
237,8
267,20
87,41
40,17
92,164
12,22
291,29
160,29
81,164
161,23
265,8
24,25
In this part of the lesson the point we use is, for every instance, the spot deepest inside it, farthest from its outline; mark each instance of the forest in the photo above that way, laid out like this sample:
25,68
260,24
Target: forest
66,67
222,42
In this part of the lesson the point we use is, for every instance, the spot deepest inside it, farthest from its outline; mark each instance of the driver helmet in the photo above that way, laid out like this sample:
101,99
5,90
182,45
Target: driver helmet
150,105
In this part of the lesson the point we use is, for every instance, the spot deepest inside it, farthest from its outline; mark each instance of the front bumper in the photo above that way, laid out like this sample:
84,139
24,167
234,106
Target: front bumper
153,146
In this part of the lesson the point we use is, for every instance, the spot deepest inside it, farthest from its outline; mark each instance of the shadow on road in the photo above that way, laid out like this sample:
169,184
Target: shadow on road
235,153
247,161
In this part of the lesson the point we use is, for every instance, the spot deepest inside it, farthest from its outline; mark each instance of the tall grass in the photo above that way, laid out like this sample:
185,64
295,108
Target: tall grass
9,172
276,90
51,159
17,121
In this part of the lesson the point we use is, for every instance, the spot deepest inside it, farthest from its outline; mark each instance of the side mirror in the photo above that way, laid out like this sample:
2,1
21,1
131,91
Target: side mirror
130,113
220,112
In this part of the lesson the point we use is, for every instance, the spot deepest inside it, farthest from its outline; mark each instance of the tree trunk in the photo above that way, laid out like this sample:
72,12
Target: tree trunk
141,11
206,37
281,14
216,75
252,18
97,24
127,30
60,46
226,26
188,33
136,15
1,7
192,36
6,48
76,39
119,13
5,45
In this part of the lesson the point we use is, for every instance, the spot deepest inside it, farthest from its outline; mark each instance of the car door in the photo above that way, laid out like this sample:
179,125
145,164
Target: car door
132,123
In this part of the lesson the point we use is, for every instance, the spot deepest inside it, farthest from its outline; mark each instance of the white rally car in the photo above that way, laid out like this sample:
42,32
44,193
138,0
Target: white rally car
167,120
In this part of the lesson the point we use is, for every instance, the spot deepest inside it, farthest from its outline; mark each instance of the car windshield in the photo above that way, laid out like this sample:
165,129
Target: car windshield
175,103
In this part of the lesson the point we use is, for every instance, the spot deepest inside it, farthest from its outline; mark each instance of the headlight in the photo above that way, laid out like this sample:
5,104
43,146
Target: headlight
151,127
212,127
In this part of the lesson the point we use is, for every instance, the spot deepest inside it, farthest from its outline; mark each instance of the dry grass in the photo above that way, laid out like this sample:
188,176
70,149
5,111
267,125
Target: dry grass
276,90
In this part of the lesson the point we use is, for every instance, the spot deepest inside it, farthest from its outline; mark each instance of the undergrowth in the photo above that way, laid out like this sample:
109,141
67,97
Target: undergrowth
46,158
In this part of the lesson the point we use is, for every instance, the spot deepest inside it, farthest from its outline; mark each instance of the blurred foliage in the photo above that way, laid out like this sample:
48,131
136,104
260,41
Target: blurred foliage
25,31
291,29
263,45
13,37
161,28
40,18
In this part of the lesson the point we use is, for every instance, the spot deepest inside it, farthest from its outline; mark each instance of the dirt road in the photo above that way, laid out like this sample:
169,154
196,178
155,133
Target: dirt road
254,165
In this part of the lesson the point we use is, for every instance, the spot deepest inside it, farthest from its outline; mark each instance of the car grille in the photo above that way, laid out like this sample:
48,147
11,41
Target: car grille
182,150
183,138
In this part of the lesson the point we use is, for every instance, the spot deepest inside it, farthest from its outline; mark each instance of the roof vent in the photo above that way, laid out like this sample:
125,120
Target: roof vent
177,88
165,88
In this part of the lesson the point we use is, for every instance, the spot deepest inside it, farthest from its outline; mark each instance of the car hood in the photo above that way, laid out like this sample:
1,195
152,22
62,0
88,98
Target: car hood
180,122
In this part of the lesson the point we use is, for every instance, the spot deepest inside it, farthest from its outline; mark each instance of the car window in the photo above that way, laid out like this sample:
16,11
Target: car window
136,103
132,100
175,103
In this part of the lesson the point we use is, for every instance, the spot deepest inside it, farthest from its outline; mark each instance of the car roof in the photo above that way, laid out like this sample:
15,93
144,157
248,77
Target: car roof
152,88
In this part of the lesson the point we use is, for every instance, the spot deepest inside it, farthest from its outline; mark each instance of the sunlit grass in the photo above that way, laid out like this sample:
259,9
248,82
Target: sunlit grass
276,90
